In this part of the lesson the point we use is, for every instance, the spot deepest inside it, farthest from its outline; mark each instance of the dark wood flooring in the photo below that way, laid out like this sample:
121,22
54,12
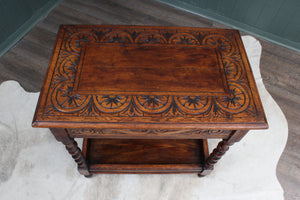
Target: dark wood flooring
27,61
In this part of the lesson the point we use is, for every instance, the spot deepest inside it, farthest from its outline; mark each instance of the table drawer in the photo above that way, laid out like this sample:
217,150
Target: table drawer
149,133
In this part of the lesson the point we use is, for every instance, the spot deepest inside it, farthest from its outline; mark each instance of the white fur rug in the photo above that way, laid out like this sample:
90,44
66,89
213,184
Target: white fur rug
35,166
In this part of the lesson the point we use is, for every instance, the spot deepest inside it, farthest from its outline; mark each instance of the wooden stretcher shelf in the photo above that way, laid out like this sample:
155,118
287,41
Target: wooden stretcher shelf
145,156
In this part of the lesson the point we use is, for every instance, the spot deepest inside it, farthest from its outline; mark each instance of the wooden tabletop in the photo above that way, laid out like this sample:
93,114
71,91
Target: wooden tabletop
105,76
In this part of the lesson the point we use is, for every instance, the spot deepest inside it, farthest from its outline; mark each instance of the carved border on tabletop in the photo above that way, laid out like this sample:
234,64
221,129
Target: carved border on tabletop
63,100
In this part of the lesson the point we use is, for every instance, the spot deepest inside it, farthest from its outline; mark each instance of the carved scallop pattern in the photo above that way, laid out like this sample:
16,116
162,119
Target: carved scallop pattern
69,66
221,42
150,38
76,40
193,104
111,103
236,101
183,38
117,37
152,103
232,70
65,101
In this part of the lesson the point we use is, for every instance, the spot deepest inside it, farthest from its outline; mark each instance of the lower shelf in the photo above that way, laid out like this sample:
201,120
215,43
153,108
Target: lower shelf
145,155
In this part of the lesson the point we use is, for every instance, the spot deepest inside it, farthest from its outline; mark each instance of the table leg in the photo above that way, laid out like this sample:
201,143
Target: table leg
72,147
220,150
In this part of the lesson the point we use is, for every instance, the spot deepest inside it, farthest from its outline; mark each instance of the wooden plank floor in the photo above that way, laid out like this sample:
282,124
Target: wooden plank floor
27,61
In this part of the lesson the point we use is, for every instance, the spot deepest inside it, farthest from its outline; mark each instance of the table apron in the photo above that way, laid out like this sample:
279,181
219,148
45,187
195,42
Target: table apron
149,133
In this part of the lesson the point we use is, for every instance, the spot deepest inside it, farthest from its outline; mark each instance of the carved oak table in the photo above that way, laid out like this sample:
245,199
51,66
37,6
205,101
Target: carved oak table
146,99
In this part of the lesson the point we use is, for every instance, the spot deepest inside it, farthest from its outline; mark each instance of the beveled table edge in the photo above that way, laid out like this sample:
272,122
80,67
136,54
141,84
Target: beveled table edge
126,125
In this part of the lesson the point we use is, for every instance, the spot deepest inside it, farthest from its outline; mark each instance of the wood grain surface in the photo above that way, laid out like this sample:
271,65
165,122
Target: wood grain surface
149,69
27,61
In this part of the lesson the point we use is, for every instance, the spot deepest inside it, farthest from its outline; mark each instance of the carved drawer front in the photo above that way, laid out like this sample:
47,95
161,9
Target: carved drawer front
149,133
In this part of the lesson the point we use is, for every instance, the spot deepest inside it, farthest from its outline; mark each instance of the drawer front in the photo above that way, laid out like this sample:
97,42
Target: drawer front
149,133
